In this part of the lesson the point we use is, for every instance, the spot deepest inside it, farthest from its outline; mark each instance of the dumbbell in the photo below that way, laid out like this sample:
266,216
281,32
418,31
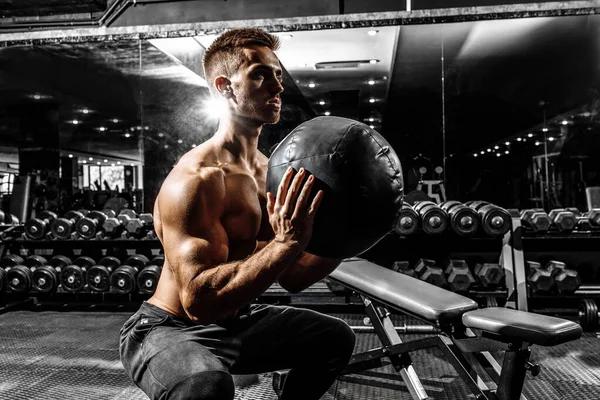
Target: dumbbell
588,315
123,279
495,220
34,261
64,227
137,227
147,279
434,220
37,228
458,275
564,220
45,278
98,276
489,275
10,260
158,260
408,222
536,219
73,276
567,280
88,226
540,279
18,278
113,227
8,219
463,220
594,217
403,267
428,271
60,261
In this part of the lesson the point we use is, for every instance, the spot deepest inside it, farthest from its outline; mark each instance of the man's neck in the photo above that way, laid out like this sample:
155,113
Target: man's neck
239,137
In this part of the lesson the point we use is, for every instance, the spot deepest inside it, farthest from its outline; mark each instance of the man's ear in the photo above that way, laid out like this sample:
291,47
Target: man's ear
223,86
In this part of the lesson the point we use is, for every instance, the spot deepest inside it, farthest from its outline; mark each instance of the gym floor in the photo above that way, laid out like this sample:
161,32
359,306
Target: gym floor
73,355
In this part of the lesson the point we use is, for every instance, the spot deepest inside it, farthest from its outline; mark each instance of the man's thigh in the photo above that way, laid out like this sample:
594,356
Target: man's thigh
280,337
168,354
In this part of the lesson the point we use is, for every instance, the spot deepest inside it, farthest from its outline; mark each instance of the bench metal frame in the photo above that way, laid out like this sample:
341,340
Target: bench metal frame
460,346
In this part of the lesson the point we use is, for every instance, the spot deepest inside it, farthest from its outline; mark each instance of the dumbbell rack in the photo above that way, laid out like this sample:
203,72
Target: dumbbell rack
442,247
526,245
16,243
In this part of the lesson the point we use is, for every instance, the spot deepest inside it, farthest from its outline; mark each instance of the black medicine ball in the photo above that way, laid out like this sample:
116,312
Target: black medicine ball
360,175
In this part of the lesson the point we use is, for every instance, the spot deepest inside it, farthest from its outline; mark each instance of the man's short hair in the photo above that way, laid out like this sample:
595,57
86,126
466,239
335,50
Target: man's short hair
223,56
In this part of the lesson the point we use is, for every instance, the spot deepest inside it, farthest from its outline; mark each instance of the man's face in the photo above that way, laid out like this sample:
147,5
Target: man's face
257,84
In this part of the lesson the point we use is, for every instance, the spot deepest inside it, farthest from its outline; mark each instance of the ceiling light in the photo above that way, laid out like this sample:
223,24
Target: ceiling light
166,146
565,122
132,129
327,113
180,141
102,129
161,134
586,114
482,152
497,154
98,162
371,119
371,82
537,143
132,164
551,139
118,162
91,158
322,102
530,135
474,154
496,147
115,120
127,135
74,122
372,126
519,139
489,150
372,32
506,152
373,61
85,111
139,128
371,100
70,155
507,143
311,85
85,162
105,160
146,127
112,165
544,129
37,96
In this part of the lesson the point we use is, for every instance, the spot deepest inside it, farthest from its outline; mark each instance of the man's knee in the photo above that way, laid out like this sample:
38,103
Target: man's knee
207,385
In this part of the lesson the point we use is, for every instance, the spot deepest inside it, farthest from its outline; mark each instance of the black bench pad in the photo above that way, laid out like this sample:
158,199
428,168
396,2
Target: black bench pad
402,292
524,326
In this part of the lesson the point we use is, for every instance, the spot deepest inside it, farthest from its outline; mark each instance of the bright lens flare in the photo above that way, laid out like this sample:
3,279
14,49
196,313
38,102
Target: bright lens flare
215,108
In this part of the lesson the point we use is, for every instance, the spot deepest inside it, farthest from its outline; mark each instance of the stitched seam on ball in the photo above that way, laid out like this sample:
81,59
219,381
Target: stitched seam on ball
299,159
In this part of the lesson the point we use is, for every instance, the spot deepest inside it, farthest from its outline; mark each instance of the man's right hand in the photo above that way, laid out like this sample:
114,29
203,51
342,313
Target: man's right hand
289,213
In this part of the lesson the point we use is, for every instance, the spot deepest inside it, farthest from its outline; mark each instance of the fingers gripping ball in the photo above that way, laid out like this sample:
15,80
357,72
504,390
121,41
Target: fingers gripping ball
360,175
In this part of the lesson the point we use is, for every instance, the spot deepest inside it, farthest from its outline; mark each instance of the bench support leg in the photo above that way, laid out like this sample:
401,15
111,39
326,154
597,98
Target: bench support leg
388,336
513,374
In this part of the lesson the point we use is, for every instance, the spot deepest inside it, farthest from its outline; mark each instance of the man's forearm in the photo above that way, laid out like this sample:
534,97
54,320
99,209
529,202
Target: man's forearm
305,271
223,289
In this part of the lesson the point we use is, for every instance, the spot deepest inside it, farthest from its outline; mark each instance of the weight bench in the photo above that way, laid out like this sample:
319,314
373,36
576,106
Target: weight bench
467,334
